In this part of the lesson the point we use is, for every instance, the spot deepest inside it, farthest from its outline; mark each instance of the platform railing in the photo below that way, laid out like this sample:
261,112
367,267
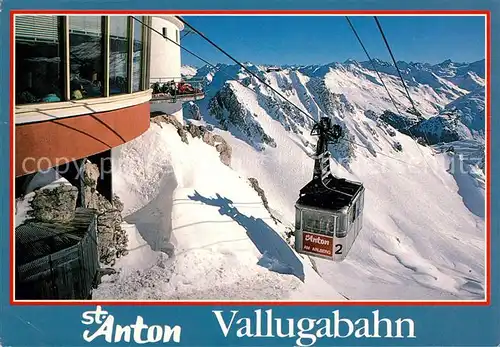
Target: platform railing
172,89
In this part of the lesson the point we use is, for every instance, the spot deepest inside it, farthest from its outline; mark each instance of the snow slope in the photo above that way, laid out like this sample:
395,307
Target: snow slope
226,244
466,162
470,109
205,233
188,71
420,240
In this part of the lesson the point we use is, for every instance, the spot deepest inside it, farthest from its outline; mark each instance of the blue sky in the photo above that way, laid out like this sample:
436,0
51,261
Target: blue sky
324,39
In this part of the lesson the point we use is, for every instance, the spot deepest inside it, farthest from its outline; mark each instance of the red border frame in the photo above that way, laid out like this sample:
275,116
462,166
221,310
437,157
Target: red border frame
486,13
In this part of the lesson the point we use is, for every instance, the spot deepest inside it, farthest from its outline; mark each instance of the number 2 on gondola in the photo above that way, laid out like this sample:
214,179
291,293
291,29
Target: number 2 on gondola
338,249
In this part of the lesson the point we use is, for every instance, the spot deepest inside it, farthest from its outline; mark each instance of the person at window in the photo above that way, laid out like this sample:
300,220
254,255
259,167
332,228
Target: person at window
27,97
77,91
52,95
95,80
172,88
308,224
95,85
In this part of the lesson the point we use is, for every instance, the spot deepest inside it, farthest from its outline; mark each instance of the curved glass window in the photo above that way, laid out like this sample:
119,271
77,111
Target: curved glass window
318,222
86,48
298,217
38,59
62,58
118,54
138,55
342,226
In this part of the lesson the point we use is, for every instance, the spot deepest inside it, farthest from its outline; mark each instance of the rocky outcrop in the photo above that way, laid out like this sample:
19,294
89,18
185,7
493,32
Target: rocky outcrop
160,118
441,128
331,103
90,177
370,114
283,112
225,151
461,119
255,185
397,146
389,130
231,113
57,202
112,240
55,205
400,122
197,131
194,111
471,111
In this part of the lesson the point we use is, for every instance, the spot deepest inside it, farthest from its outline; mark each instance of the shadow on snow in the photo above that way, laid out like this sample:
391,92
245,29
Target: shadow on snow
277,256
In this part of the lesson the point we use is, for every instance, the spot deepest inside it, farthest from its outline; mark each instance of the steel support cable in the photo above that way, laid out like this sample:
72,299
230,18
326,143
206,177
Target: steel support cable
404,85
399,73
244,67
395,64
372,63
380,77
232,77
251,73
381,80
212,65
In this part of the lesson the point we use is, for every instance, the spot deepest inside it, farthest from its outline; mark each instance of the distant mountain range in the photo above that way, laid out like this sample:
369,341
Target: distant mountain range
449,96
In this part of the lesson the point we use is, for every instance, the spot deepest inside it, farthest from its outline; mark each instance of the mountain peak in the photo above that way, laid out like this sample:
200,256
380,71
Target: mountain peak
446,62
350,61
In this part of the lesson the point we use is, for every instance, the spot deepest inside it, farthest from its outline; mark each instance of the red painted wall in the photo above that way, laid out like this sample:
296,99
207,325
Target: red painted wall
40,146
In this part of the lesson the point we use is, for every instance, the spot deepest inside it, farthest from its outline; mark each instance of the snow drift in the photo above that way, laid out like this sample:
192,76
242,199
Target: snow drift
226,244
424,220
203,233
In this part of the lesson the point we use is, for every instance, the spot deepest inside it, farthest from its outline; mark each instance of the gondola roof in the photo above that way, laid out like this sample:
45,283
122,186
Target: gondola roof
340,195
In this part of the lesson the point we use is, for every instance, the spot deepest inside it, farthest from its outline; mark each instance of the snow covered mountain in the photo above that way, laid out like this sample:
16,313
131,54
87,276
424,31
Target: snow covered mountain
470,110
188,71
469,76
217,194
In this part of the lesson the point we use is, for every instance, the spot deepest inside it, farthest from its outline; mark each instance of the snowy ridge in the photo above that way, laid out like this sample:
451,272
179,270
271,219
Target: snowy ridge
188,71
204,233
470,110
226,244
461,119
468,156
412,245
442,128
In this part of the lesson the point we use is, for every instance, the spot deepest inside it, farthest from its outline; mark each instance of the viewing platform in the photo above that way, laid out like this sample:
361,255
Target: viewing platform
174,90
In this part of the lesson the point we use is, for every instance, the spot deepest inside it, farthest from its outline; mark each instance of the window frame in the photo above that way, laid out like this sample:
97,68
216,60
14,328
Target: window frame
104,57
63,43
127,20
64,37
315,222
353,215
142,73
144,56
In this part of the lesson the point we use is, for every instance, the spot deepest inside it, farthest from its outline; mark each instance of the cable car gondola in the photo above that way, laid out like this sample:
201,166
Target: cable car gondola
329,211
